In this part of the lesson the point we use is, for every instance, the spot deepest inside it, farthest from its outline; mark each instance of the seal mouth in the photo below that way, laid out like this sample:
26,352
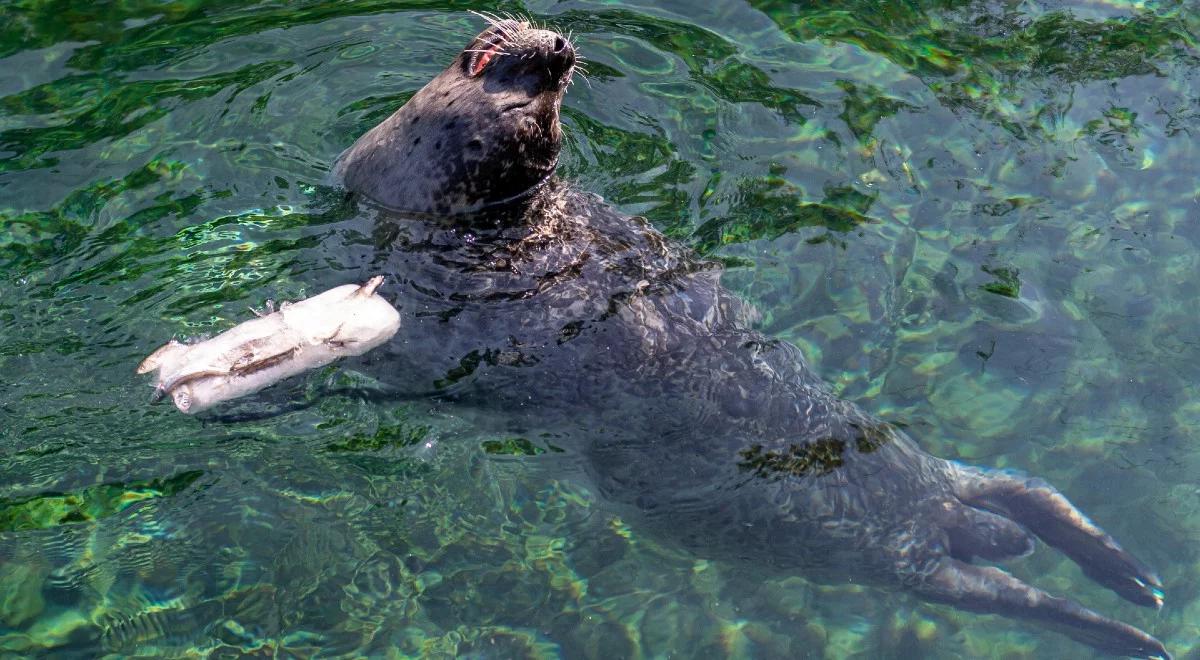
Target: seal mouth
515,105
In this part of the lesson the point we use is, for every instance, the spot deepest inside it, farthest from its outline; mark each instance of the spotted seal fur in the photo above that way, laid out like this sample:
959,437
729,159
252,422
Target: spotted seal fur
573,319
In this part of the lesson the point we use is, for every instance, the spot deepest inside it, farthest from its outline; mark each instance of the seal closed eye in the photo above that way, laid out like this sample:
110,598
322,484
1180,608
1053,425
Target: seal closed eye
484,131
592,326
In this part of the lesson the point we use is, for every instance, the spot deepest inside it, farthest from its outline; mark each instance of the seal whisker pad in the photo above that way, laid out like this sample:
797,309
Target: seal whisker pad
341,322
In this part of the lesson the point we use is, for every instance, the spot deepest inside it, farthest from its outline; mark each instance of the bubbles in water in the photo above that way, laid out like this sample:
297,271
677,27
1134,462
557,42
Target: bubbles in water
426,450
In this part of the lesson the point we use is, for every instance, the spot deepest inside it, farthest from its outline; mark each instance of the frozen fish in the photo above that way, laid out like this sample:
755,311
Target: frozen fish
343,321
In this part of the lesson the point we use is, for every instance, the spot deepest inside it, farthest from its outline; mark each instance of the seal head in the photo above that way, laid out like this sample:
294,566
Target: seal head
483,132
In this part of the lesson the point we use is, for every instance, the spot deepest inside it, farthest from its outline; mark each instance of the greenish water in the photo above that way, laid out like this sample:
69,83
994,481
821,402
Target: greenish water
979,219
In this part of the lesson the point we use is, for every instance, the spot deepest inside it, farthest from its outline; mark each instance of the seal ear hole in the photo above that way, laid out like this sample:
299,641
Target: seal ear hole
437,145
416,140
475,144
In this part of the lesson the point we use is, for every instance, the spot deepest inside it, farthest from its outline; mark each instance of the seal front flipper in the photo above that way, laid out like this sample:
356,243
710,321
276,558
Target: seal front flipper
1046,512
988,589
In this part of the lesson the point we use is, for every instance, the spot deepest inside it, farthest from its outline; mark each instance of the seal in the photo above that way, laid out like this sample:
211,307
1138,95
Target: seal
543,306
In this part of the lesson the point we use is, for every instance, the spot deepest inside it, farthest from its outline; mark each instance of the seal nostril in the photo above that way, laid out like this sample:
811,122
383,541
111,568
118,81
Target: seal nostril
559,44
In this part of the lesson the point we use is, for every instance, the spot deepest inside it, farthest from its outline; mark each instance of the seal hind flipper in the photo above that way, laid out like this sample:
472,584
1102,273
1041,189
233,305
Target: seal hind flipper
988,589
973,532
1046,512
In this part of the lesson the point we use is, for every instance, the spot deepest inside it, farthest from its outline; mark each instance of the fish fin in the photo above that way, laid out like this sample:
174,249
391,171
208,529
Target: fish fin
251,362
334,342
182,398
267,310
249,359
367,290
167,351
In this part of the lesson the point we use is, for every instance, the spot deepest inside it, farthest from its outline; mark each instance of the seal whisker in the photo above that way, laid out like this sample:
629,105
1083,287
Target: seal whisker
521,18
489,18
501,28
492,22
502,35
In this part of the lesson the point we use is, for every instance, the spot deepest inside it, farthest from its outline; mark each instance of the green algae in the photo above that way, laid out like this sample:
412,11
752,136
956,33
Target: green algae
87,504
1007,283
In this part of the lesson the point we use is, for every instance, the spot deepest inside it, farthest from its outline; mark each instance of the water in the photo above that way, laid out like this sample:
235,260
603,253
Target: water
978,220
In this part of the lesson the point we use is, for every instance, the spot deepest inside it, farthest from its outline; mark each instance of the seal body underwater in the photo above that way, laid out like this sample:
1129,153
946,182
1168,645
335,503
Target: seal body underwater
524,295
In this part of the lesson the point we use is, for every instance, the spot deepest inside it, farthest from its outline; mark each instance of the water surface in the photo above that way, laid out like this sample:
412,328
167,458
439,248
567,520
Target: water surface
979,219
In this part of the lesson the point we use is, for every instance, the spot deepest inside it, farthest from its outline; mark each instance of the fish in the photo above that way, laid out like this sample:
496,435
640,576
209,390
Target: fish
344,321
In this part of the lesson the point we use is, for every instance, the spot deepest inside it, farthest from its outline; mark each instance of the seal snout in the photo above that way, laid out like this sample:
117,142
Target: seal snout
555,51
562,59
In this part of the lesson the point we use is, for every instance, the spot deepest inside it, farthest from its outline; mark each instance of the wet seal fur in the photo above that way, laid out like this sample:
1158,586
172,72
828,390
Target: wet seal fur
580,322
